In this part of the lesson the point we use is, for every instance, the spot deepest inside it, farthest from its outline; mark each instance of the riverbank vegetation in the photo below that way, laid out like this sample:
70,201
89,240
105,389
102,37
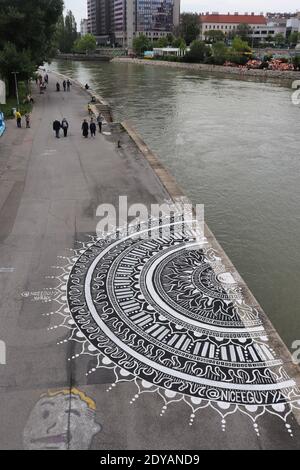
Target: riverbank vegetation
86,44
66,32
236,49
25,104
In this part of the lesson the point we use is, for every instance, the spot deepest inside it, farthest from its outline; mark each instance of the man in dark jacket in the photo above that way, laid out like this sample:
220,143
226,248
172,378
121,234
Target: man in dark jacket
93,128
65,126
56,128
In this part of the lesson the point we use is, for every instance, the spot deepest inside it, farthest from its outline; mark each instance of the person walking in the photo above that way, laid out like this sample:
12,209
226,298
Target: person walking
93,128
65,127
65,85
56,128
90,110
27,120
69,85
85,129
46,78
99,121
57,87
18,119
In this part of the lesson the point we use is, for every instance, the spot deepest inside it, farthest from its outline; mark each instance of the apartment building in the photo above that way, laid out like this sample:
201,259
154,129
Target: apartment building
230,22
122,20
100,20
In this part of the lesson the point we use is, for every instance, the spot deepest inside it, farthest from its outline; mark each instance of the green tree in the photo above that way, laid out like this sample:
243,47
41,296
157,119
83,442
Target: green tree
240,51
215,35
87,44
27,27
189,27
141,44
238,45
269,38
11,61
170,38
279,39
220,53
66,32
198,52
243,31
293,38
177,41
163,42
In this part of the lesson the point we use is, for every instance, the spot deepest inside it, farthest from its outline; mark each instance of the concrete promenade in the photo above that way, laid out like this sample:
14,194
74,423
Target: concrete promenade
49,193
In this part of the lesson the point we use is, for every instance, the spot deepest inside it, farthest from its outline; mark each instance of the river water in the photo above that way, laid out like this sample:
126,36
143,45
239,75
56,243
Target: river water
233,145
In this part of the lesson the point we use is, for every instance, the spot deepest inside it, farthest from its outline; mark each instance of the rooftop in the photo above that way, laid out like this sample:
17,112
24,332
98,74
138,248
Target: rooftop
233,19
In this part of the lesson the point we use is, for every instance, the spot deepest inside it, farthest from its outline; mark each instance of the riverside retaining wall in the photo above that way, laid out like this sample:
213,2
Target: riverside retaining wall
236,71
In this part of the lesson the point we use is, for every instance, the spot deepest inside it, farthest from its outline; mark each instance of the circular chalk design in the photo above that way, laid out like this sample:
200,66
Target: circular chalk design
165,310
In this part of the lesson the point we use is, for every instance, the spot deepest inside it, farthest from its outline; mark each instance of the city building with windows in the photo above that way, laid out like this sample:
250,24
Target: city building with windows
153,18
84,27
100,20
92,16
229,23
118,22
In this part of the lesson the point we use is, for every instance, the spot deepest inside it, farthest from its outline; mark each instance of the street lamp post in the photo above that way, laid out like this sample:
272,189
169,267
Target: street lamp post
17,90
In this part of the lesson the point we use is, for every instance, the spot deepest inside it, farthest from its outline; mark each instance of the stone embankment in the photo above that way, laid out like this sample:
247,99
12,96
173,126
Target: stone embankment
236,71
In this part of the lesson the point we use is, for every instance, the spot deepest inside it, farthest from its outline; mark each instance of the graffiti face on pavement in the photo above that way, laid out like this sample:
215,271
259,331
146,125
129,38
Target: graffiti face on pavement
62,420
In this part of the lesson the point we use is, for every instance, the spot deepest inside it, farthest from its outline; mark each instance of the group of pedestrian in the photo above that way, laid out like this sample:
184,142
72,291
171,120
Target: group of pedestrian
86,127
66,85
42,82
57,126
18,117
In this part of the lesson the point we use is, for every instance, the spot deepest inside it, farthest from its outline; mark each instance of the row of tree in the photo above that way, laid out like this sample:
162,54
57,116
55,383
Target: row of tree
31,32
69,40
238,53
27,36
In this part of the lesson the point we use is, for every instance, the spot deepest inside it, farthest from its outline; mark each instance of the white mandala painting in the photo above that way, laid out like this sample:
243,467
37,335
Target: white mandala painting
163,313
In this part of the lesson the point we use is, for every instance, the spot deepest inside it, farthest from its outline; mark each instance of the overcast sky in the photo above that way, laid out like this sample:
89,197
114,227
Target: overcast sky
79,6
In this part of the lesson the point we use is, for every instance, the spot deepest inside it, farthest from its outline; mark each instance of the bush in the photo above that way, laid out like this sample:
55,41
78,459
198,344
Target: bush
296,62
237,58
220,53
11,102
198,53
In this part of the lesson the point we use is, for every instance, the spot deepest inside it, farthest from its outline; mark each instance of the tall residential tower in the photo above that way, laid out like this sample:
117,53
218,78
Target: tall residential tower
123,20
100,20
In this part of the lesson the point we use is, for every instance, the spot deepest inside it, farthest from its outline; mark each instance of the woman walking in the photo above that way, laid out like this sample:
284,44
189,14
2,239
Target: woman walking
85,129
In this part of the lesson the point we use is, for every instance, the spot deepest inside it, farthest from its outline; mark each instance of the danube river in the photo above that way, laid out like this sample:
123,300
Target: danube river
234,147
